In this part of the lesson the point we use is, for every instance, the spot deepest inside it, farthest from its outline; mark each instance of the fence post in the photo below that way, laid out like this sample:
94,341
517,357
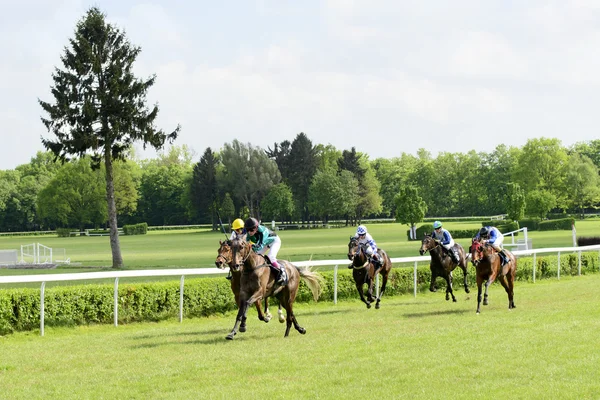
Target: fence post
181,299
534,265
116,298
415,279
579,268
42,292
558,265
335,284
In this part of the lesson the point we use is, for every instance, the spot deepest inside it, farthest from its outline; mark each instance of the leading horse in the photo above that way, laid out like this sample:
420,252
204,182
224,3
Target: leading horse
225,257
489,268
363,271
442,265
258,281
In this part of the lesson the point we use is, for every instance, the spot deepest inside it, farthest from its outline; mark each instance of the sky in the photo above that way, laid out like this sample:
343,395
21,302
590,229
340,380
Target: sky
384,76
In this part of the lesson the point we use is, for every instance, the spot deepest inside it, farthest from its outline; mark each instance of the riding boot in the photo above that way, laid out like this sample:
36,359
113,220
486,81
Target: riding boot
228,277
281,276
376,263
350,266
504,257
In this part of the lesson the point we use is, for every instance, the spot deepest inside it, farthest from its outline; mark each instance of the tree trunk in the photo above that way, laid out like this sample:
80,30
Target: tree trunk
112,212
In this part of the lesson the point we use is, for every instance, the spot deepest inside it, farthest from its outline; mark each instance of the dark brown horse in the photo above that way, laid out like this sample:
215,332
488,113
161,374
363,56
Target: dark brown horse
364,271
489,268
442,264
258,282
225,257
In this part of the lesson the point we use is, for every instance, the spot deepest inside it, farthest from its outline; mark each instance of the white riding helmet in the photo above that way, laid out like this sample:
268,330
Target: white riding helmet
361,230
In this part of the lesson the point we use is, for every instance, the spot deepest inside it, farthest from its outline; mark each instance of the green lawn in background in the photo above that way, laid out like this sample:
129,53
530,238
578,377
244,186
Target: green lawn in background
198,248
423,348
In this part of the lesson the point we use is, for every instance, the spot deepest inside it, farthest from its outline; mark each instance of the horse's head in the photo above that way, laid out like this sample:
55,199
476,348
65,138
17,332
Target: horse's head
477,251
241,250
428,243
353,248
225,254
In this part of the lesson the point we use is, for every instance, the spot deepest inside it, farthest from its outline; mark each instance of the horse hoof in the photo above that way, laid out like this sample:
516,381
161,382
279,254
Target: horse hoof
242,329
454,300
477,313
230,336
485,303
302,331
467,290
432,289
368,305
377,306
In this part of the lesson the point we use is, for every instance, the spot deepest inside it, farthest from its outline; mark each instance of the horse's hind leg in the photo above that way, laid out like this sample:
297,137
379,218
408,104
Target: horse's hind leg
504,284
291,319
464,268
479,283
385,278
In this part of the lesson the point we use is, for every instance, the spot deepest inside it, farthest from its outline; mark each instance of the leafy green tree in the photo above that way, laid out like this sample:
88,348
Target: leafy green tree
333,195
542,166
76,196
204,190
350,161
278,203
165,186
248,173
515,202
590,149
583,183
100,105
539,203
327,156
410,207
227,209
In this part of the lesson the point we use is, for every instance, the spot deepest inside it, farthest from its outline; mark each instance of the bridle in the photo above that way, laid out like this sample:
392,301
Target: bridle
237,266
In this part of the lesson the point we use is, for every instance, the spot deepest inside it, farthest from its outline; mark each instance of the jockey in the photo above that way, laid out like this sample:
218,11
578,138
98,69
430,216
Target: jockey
491,235
237,232
267,244
445,238
367,244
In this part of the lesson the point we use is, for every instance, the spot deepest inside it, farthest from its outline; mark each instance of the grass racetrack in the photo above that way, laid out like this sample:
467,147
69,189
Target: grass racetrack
425,348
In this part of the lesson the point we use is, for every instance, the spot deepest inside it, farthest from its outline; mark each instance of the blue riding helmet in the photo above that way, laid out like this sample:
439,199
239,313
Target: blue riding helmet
437,224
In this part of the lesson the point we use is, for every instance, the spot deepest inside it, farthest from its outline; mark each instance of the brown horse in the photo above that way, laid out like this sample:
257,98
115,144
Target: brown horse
258,282
442,265
364,271
225,257
489,267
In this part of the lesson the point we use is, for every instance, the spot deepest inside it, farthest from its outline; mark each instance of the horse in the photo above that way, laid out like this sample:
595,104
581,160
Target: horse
489,267
364,271
225,257
258,281
442,265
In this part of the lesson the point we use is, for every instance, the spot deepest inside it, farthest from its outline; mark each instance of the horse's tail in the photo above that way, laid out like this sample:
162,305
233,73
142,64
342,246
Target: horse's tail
312,279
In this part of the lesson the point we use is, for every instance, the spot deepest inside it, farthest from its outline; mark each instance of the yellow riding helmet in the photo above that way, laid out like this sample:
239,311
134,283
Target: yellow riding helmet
238,224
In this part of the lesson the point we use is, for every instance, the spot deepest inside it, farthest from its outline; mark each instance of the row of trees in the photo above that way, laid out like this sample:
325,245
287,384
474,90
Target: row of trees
299,181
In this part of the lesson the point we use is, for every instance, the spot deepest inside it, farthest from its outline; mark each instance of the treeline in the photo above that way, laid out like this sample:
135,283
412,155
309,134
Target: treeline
302,181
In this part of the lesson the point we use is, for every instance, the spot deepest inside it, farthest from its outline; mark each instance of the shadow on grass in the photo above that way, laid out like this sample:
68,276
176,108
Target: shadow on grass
434,313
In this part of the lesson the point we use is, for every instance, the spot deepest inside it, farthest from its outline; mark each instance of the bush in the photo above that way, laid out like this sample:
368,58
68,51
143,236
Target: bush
556,224
137,229
503,226
63,232
422,230
531,224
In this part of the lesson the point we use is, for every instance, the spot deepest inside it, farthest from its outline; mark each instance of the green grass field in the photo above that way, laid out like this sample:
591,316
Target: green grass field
198,249
423,348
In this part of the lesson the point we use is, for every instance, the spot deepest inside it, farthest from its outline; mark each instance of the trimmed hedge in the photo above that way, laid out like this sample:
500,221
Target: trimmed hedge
556,224
531,224
93,304
137,229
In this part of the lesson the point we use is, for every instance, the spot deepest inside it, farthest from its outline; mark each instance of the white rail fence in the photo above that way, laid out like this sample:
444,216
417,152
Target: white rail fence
213,271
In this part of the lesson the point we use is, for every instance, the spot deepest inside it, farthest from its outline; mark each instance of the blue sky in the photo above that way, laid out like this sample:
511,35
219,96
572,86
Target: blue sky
384,76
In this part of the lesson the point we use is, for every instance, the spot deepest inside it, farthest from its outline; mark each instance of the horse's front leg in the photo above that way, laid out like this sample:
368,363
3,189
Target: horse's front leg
266,317
359,287
371,285
479,283
449,291
464,268
241,315
432,287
